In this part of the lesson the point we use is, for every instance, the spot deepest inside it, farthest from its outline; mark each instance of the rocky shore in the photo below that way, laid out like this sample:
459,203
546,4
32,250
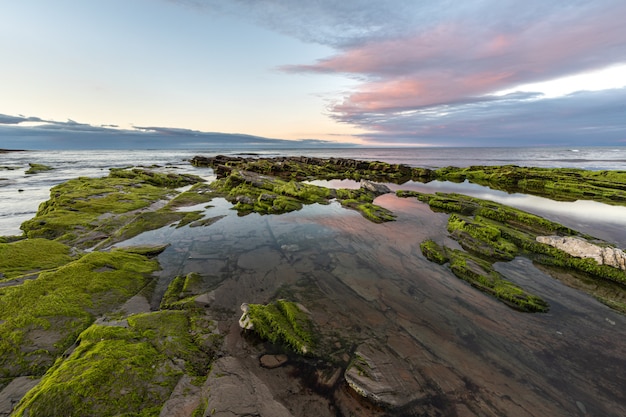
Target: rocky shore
155,293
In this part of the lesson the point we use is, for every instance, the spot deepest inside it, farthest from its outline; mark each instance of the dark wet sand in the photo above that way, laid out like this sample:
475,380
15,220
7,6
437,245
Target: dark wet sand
453,351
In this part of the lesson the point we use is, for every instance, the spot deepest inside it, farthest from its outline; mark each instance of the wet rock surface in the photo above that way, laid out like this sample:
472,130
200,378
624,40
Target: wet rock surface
235,391
439,346
398,334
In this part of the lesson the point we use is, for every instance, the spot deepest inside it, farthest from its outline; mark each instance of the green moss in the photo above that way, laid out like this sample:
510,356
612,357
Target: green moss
374,213
170,333
173,293
481,237
433,252
41,318
283,322
118,370
564,184
199,193
85,211
189,217
481,275
31,255
158,179
37,168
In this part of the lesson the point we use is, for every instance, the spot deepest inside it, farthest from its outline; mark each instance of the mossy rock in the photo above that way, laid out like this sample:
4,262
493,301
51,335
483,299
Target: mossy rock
41,318
37,168
282,322
87,211
433,252
481,275
561,184
121,370
31,256
481,237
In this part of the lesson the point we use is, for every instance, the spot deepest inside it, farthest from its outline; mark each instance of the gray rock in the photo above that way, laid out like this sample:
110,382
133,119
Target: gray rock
13,393
235,391
245,322
185,398
376,188
374,374
581,248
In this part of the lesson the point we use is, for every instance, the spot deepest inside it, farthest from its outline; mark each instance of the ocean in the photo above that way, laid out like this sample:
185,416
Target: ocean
21,194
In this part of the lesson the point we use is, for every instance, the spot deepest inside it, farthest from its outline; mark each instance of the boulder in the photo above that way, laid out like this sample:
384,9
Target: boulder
376,188
581,248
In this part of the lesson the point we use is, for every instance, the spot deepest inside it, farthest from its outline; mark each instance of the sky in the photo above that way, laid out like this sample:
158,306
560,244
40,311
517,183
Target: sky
84,73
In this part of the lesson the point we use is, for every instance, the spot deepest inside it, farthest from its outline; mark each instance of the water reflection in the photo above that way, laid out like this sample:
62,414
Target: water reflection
369,283
603,221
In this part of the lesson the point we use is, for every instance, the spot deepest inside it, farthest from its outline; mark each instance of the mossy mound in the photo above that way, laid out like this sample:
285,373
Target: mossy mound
301,168
41,318
31,256
493,232
251,192
37,168
121,370
564,184
282,322
480,274
85,211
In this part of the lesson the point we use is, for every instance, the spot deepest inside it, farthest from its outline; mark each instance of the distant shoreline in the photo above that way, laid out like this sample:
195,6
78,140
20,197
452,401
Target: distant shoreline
11,150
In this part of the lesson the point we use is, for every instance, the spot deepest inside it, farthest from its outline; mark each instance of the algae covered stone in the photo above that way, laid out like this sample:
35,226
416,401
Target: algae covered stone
37,168
120,370
282,322
87,211
31,255
41,318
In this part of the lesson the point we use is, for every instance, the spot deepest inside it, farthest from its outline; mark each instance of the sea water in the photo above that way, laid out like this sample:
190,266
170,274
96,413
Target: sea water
371,285
21,194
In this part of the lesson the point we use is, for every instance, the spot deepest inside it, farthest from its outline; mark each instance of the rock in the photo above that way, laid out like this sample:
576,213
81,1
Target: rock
185,398
581,248
273,361
235,391
13,393
378,189
379,376
245,322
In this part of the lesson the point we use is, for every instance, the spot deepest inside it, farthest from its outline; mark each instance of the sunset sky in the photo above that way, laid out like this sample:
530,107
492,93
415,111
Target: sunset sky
403,72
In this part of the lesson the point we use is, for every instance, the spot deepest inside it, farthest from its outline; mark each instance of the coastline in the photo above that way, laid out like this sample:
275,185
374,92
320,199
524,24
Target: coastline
261,239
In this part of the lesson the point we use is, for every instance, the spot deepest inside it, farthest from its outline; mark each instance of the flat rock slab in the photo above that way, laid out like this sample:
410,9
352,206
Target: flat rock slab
377,374
235,391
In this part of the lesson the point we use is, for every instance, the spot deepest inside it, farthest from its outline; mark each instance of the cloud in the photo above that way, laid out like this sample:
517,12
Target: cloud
327,22
429,64
593,118
14,120
74,135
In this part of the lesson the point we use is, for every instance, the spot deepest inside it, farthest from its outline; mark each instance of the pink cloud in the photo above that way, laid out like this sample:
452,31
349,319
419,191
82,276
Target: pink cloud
464,60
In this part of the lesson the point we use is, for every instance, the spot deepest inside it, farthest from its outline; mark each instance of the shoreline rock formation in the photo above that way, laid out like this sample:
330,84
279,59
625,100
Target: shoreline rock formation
581,248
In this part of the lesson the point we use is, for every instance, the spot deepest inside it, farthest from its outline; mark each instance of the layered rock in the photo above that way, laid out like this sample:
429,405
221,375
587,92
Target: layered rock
581,248
235,391
378,375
